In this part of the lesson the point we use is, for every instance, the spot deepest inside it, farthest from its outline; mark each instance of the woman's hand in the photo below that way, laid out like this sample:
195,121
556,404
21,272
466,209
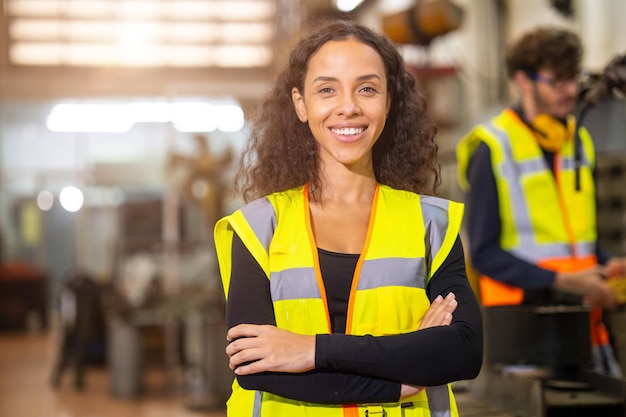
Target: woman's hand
258,348
409,390
439,314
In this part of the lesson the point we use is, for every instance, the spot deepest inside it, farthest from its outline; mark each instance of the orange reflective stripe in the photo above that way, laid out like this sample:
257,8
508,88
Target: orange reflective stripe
351,410
495,293
569,264
566,218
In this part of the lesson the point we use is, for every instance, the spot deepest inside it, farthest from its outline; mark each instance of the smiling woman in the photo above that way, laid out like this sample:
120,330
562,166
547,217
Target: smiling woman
345,279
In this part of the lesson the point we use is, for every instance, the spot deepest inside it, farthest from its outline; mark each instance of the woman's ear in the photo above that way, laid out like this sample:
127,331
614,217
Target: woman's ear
298,104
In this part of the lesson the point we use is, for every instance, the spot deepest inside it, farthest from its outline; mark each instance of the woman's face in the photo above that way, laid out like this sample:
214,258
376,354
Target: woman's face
345,102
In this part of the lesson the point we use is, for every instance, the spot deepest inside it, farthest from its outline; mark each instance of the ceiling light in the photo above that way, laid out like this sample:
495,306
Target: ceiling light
142,33
71,198
185,116
347,5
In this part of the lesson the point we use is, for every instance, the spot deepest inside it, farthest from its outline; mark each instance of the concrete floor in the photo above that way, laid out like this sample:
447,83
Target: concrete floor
25,363
26,360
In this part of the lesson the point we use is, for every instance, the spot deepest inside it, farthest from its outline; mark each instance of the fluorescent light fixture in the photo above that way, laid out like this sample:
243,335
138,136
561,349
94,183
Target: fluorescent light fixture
150,112
230,118
89,118
237,10
96,55
49,30
141,33
71,198
202,117
191,116
347,5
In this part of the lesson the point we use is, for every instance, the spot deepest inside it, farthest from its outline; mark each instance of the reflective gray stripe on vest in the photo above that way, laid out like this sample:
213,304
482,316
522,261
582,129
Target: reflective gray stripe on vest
294,283
387,272
568,164
256,409
257,214
435,213
439,401
299,283
531,166
527,248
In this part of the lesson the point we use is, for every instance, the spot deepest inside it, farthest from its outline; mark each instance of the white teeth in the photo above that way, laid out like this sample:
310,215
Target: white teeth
348,131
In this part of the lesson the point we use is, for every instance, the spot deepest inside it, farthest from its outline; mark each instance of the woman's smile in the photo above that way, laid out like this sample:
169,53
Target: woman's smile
348,133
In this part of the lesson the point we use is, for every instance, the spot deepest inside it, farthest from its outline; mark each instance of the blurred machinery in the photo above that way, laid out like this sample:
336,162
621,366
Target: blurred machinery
541,365
611,81
423,22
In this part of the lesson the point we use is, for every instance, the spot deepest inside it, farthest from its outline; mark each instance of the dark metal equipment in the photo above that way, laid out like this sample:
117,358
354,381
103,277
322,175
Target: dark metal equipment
611,81
538,363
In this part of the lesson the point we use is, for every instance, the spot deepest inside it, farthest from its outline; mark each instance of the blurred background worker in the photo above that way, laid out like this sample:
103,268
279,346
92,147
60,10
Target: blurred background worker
531,228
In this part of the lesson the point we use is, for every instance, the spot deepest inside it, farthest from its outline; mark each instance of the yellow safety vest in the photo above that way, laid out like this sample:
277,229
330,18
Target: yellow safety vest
544,219
408,239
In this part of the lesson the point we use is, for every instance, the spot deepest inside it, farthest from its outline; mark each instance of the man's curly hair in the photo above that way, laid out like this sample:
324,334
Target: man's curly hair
556,49
281,152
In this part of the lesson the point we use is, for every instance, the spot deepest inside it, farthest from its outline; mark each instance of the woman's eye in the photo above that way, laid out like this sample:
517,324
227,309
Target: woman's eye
369,90
326,90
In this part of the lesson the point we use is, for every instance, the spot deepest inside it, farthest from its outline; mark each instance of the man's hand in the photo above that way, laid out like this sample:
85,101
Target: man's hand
591,284
616,268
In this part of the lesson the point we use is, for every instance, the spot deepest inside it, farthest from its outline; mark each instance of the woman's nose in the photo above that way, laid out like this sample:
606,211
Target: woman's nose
348,105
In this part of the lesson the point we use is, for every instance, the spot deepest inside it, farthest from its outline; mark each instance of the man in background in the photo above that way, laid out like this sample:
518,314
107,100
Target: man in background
531,225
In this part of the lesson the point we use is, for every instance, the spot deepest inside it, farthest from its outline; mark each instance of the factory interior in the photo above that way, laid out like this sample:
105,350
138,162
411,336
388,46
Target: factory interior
121,124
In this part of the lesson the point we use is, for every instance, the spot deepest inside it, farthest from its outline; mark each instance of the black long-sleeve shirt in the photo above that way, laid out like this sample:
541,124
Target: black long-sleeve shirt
358,369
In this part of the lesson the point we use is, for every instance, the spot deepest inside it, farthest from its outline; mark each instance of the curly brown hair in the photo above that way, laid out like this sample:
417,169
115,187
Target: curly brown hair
555,49
281,152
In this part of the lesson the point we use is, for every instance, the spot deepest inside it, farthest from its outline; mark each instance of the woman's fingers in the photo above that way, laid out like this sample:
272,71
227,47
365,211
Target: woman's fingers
440,312
243,350
409,390
258,348
244,330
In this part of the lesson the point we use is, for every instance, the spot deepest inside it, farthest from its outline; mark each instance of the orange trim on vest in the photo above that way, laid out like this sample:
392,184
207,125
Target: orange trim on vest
359,264
350,411
316,261
569,264
496,293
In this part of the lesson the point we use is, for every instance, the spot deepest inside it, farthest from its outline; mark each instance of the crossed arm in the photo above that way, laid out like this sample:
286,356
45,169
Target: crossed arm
338,368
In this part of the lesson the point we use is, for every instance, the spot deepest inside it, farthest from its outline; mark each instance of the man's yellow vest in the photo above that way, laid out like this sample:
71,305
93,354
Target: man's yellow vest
408,239
544,219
